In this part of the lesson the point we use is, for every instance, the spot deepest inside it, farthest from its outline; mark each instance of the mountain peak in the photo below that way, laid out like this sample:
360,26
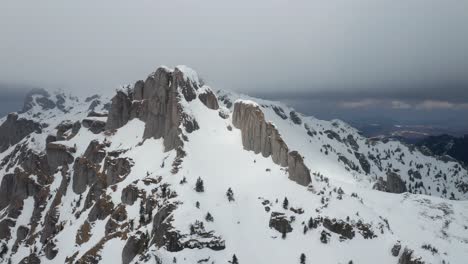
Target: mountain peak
172,171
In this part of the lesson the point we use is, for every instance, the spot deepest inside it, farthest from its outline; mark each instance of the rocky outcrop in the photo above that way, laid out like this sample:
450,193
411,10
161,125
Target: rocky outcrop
395,184
38,97
257,134
86,168
16,187
208,98
116,169
156,101
164,112
340,227
135,245
408,258
298,172
95,126
295,117
129,194
14,129
280,223
59,155
365,165
396,249
119,113
67,130
263,137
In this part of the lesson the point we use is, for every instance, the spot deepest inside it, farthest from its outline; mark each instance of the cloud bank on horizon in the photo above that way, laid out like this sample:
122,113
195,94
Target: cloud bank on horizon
359,54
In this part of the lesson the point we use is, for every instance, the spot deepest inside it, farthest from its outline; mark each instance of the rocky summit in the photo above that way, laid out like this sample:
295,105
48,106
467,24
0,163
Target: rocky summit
169,170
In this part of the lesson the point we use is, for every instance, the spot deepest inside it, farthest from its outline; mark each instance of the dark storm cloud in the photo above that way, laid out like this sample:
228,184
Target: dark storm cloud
343,50
12,97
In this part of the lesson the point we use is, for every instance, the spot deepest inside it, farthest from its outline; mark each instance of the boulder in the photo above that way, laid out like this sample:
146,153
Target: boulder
129,194
22,233
280,223
208,98
396,249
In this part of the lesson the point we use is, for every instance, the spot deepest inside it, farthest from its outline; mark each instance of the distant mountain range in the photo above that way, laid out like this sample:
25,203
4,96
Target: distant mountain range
456,147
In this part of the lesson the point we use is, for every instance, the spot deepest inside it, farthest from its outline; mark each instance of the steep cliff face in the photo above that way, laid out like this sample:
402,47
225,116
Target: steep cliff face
157,102
161,176
262,137
15,129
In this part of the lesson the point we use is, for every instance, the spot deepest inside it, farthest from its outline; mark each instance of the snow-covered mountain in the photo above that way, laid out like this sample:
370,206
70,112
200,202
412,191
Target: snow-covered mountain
172,171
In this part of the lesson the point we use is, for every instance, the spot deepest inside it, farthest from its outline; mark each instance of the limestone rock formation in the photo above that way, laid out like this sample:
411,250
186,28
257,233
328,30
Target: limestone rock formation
14,129
280,223
208,98
298,172
263,137
156,101
395,184
59,155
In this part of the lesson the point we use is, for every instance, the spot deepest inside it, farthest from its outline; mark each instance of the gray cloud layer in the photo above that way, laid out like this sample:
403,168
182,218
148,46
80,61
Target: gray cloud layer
414,50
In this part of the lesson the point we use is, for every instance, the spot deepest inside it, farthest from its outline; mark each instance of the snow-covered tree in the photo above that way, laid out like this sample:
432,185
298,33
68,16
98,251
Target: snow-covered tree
199,187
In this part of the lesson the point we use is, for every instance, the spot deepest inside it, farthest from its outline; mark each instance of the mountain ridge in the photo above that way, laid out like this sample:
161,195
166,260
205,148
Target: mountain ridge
142,174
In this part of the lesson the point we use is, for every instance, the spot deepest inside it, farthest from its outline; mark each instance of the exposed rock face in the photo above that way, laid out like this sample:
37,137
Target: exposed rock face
120,110
395,184
163,118
156,101
133,247
129,194
365,165
263,137
14,130
209,99
339,227
408,258
95,126
280,223
58,155
280,112
295,118
396,249
258,135
67,130
22,233
39,97
298,172
16,187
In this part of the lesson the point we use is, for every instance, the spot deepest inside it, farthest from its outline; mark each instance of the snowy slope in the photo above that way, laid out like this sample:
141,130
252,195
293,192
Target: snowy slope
140,204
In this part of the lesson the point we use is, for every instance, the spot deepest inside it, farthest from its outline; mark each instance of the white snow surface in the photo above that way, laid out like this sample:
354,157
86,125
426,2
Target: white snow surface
216,155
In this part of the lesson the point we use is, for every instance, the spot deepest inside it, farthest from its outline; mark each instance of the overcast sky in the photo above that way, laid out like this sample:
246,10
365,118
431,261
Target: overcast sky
408,53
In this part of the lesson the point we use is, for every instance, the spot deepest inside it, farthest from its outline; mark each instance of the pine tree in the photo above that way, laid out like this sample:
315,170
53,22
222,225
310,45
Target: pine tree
197,204
285,203
234,259
303,258
209,217
199,185
230,195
